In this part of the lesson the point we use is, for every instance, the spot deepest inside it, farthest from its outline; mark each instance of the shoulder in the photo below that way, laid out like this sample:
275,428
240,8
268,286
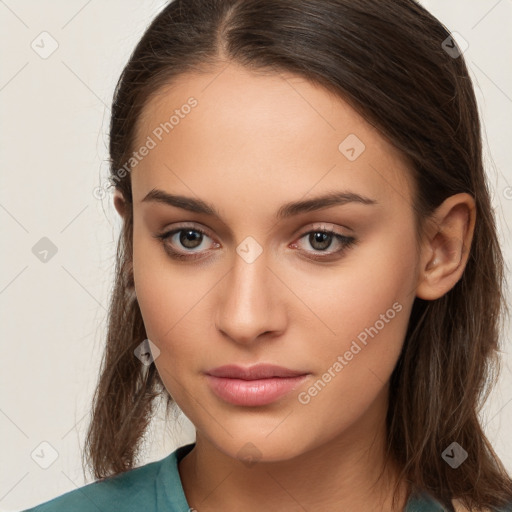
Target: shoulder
133,490
457,505
425,502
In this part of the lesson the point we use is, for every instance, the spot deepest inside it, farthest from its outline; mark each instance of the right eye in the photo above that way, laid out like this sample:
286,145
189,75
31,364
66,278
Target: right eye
180,242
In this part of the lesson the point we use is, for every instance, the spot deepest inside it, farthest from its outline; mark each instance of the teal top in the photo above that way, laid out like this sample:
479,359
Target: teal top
156,487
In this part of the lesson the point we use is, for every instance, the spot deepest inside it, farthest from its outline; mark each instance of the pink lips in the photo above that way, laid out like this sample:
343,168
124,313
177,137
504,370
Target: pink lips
260,384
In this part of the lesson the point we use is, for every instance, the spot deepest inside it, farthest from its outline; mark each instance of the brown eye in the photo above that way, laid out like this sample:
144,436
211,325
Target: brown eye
185,243
320,240
189,238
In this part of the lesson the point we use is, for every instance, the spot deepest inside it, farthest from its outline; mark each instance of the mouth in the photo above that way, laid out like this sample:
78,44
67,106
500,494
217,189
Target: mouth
254,386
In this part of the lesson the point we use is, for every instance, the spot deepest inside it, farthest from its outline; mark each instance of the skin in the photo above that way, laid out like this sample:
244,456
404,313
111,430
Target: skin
254,142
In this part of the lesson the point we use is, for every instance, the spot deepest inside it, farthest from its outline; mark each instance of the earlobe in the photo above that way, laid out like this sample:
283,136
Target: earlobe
445,250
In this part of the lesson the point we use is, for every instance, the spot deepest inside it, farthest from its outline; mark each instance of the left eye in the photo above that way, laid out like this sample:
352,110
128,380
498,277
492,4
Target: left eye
322,239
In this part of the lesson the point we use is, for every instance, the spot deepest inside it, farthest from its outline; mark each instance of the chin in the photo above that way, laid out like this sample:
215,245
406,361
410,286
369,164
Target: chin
251,448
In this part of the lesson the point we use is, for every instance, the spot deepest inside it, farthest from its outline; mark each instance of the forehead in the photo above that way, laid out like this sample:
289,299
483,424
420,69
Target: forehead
258,130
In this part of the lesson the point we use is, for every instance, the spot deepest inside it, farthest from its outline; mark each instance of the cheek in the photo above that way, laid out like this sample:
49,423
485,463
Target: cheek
171,299
367,304
374,283
165,300
155,297
160,290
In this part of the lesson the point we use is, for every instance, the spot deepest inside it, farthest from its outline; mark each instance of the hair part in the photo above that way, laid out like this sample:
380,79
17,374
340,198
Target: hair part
386,60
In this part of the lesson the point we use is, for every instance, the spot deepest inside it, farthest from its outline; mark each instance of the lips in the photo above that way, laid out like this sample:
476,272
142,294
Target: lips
257,385
258,371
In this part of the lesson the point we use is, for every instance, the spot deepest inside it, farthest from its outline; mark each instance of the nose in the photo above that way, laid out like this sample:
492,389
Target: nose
251,302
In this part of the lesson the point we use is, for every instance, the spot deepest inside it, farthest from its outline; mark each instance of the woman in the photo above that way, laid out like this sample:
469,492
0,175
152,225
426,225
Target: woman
309,266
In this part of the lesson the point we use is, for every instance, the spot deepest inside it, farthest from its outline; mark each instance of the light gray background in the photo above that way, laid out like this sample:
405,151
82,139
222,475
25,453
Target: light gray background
54,119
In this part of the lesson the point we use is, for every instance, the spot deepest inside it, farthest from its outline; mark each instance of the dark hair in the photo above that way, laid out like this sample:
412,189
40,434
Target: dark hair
388,61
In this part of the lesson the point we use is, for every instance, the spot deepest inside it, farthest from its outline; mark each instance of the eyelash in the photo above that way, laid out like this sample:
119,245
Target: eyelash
345,241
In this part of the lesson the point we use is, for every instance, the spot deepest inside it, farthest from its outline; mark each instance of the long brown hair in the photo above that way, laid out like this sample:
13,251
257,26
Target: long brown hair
388,60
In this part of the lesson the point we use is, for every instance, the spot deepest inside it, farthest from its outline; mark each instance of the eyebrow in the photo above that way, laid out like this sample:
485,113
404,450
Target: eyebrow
287,210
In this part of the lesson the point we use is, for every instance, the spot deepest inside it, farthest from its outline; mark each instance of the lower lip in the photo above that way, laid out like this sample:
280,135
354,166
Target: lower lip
253,392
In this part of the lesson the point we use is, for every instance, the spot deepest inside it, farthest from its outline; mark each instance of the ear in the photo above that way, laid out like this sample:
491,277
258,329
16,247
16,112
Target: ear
445,247
119,202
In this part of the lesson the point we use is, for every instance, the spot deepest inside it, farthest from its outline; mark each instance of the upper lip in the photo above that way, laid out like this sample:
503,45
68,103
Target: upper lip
258,371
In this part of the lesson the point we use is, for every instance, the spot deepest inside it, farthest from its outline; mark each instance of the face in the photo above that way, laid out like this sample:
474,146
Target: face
325,292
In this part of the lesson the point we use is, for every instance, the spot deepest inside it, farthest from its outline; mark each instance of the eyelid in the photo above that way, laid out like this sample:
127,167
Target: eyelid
323,226
183,226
